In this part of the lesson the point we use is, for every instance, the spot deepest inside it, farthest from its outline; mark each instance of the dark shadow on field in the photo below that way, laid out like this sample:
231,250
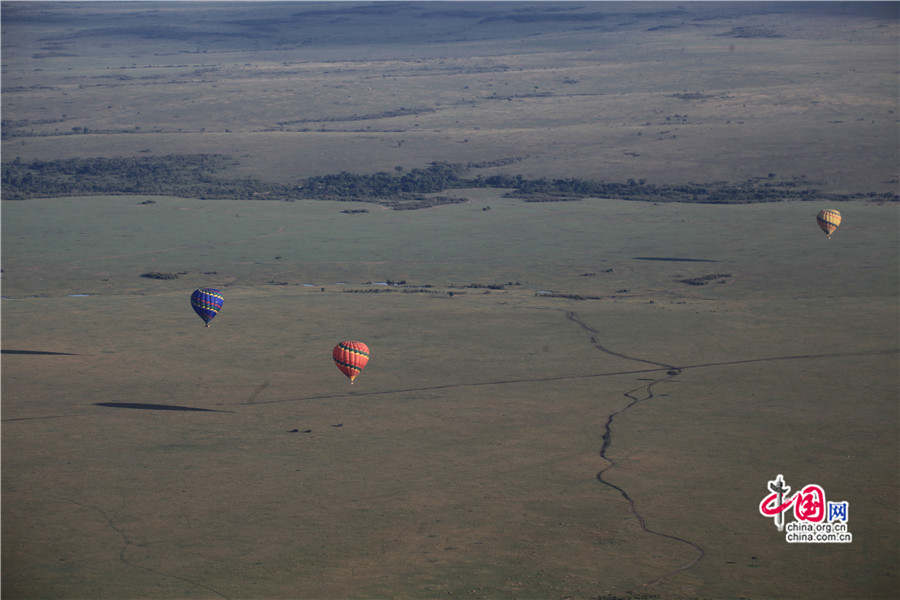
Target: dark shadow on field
145,406
37,352
674,259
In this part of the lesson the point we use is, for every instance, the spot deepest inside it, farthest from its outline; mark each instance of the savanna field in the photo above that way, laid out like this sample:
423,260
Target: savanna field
569,394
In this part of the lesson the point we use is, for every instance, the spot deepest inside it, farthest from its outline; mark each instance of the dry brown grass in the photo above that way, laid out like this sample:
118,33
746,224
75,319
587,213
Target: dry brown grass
665,97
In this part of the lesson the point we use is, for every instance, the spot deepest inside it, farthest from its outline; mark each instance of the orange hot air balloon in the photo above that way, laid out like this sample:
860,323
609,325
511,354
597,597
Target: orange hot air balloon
828,220
351,358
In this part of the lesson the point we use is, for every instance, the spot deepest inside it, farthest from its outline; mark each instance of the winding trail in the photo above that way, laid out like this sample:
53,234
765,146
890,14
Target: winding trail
637,395
645,392
573,317
607,440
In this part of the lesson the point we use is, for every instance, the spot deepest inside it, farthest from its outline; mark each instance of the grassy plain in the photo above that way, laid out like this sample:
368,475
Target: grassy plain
467,457
146,456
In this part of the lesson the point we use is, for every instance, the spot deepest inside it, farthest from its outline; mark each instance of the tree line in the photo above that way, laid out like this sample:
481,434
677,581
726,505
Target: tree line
204,176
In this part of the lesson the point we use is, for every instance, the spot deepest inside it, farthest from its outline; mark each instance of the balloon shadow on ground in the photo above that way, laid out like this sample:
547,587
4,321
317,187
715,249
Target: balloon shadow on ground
36,352
674,259
144,406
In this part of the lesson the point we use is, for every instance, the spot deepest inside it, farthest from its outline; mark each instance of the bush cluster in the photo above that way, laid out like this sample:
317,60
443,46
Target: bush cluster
201,176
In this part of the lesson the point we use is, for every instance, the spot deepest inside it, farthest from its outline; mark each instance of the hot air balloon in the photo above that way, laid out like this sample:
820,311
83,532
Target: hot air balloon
207,303
351,358
828,220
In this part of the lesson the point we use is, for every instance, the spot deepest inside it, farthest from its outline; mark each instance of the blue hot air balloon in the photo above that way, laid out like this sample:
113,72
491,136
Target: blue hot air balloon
207,302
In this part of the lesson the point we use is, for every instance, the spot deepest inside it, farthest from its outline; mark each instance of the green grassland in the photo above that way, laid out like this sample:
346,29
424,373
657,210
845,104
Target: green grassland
468,450
525,359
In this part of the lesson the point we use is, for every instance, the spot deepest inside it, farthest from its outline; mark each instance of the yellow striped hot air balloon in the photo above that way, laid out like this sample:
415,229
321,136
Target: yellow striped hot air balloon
828,220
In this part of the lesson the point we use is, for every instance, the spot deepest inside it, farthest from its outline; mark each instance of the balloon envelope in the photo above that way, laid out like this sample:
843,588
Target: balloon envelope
207,302
351,358
828,220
